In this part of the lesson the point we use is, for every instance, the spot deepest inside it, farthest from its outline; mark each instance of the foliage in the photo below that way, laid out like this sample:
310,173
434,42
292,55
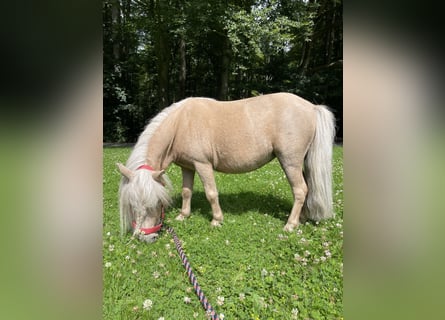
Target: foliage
157,52
249,268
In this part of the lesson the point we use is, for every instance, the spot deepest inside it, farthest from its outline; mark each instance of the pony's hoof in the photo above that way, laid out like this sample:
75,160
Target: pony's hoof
215,223
289,227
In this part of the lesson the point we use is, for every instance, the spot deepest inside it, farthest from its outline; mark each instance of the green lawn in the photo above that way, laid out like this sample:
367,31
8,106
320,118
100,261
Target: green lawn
248,269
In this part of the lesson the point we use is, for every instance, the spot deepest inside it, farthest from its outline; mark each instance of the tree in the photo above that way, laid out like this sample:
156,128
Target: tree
160,51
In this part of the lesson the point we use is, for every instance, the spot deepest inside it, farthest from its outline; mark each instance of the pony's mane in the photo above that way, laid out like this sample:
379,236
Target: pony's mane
143,187
137,156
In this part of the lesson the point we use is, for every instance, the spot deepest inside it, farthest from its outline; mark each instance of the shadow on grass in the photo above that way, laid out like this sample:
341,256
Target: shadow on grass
241,203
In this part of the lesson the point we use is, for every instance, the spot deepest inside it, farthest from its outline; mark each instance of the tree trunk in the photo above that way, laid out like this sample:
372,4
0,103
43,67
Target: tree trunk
223,81
330,38
306,57
116,25
162,55
182,69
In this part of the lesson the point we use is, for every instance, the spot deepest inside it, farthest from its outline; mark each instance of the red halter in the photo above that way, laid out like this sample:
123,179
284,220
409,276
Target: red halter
152,229
146,167
158,227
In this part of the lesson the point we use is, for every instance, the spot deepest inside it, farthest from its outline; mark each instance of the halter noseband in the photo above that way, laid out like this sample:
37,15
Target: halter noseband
158,227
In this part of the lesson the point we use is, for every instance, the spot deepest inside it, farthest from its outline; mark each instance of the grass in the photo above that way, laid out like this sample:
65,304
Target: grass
248,269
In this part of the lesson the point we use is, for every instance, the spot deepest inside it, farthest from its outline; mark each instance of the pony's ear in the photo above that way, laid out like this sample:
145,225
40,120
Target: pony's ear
157,175
125,171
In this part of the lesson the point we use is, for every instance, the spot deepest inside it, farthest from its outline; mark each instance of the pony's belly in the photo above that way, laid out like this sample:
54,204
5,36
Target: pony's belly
238,165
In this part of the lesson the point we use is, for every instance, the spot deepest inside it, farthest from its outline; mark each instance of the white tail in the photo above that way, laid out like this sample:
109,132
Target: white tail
318,168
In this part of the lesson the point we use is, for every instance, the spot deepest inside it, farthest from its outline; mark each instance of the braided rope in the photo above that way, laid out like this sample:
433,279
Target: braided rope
202,298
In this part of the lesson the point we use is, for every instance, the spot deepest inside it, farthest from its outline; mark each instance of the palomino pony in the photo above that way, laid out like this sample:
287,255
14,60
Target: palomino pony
201,135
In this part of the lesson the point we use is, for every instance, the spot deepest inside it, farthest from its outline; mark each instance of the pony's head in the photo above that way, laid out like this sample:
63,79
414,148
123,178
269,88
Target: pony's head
144,194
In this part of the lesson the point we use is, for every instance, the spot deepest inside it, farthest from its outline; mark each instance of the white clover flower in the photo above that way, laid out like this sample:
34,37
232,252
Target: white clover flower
220,300
282,237
327,253
187,300
242,296
111,247
147,304
264,272
156,274
262,302
294,313
107,264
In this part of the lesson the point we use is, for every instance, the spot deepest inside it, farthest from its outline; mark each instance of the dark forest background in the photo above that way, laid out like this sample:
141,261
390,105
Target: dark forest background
157,52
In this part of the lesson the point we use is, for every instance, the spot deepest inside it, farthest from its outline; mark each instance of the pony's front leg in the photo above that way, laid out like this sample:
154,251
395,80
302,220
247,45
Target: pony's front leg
188,177
205,172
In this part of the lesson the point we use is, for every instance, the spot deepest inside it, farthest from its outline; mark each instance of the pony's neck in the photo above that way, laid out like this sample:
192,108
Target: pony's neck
158,154
154,144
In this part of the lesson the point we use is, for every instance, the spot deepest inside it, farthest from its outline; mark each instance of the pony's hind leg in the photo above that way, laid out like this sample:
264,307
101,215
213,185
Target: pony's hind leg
299,191
205,172
188,177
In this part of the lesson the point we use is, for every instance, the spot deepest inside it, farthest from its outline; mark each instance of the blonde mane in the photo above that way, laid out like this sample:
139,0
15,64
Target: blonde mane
139,152
143,192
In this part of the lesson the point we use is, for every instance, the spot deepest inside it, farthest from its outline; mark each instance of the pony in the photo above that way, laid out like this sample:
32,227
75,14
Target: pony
202,135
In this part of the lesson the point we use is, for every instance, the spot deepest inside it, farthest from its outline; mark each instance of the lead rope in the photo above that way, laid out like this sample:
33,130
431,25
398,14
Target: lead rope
202,298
